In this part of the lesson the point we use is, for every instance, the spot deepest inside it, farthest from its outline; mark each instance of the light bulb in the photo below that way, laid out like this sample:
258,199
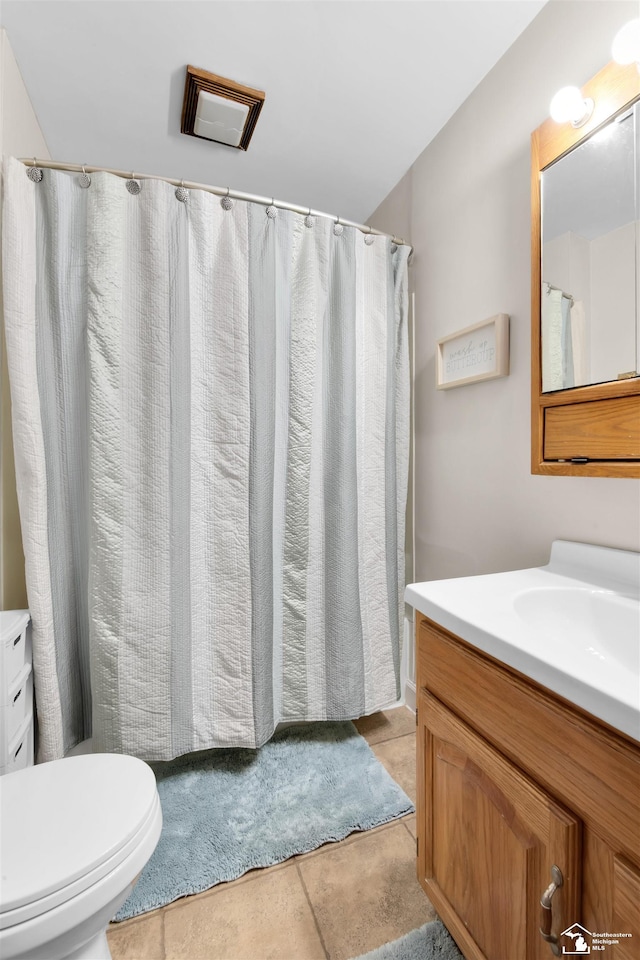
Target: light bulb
626,45
569,106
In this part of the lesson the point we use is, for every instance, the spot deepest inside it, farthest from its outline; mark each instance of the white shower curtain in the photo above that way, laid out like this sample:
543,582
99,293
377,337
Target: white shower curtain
210,412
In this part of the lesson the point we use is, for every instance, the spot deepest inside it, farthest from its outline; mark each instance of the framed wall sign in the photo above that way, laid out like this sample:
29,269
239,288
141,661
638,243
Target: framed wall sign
479,352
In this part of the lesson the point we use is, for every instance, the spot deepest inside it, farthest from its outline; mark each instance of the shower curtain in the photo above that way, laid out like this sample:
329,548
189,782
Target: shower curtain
210,414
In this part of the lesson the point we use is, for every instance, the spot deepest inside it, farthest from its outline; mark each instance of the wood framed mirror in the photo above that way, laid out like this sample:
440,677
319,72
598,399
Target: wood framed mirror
585,294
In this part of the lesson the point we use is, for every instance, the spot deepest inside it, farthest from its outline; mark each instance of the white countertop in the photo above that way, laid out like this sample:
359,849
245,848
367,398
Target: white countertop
573,625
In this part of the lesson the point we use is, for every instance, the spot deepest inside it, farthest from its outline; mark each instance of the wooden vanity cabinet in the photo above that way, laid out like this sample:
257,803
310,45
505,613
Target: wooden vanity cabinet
513,780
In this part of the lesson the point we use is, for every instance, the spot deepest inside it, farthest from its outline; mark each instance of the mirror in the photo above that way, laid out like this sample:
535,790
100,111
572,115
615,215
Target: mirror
591,258
585,285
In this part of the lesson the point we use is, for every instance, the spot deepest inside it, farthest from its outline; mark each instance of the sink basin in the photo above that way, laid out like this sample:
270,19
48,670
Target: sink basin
572,625
591,622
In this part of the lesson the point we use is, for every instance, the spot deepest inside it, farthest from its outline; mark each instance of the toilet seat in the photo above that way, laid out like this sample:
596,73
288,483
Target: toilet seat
68,824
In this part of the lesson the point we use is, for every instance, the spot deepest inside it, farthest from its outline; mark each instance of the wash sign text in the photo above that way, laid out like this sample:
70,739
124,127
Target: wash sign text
480,352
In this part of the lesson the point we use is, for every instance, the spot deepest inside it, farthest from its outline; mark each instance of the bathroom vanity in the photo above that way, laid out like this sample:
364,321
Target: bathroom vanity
523,793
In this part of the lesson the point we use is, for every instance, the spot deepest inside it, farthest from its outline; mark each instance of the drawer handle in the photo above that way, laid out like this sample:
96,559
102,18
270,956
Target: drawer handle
546,910
18,750
17,695
17,640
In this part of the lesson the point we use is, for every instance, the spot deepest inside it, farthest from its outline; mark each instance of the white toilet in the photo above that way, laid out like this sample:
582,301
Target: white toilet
74,835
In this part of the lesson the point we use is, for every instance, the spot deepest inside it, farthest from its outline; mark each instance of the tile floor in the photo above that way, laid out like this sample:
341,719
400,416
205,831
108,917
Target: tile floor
332,904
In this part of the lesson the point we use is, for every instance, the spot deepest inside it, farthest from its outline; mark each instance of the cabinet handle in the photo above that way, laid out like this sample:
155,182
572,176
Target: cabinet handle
545,912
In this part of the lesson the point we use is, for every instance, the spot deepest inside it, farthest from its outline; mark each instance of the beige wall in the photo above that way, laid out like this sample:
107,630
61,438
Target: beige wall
20,136
466,207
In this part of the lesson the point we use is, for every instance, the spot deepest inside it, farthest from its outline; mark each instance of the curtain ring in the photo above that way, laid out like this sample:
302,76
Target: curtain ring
84,180
338,229
272,210
182,194
34,173
133,185
226,202
369,237
308,220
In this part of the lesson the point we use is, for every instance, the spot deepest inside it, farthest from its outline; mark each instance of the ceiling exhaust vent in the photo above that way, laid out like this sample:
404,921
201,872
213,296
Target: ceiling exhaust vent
218,109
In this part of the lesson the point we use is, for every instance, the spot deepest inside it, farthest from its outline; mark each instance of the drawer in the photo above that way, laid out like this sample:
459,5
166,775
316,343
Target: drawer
598,430
15,647
20,753
17,706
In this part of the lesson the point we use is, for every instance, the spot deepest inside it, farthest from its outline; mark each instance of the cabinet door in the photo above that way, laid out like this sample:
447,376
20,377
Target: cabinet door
626,909
487,839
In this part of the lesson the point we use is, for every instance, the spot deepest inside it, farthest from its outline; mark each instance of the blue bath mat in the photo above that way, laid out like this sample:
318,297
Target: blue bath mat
232,810
431,942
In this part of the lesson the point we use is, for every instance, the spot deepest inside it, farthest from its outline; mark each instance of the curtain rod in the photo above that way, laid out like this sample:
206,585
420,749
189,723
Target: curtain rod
219,191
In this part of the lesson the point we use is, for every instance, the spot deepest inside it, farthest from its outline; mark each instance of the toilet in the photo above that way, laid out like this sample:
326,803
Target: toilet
74,835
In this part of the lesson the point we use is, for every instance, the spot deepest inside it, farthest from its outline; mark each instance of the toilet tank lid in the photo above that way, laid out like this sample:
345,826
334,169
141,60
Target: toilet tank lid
60,820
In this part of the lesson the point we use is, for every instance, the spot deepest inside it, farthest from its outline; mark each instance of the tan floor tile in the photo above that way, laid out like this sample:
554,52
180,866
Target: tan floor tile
411,825
265,917
399,759
139,939
386,725
366,893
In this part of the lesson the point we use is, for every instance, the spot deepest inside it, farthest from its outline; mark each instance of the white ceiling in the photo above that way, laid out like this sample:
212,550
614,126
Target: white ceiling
355,89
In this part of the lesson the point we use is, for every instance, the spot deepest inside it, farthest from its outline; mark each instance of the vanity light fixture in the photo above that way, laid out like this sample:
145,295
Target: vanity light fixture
569,106
626,44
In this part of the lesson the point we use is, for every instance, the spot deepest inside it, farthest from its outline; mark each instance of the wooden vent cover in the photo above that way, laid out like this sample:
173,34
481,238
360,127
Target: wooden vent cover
197,80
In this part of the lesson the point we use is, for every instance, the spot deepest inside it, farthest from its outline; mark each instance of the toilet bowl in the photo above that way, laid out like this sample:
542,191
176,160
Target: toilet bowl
74,835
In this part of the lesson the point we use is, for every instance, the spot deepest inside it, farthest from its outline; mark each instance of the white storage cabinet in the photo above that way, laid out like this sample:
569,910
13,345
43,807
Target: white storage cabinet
16,691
